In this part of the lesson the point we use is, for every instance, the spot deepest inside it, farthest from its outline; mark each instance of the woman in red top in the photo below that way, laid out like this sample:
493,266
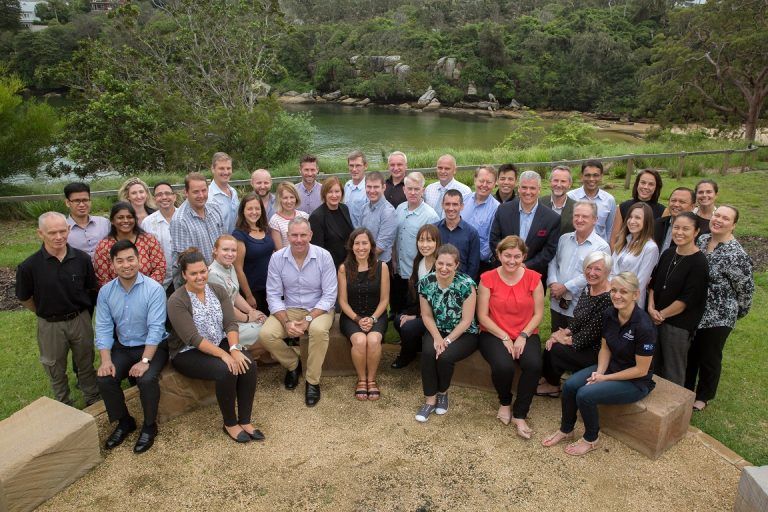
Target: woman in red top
125,227
510,306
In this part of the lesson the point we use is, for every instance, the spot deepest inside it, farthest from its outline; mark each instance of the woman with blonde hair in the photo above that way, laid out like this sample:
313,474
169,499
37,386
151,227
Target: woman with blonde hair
287,201
135,192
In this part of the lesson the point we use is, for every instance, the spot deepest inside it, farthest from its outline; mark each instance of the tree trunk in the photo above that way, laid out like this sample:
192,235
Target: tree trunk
753,116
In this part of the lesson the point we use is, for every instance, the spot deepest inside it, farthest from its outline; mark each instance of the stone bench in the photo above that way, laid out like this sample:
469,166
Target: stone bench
653,424
338,358
753,490
180,394
44,447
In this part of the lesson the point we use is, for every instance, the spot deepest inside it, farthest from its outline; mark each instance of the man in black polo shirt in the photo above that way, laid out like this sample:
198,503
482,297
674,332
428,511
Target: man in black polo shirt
58,284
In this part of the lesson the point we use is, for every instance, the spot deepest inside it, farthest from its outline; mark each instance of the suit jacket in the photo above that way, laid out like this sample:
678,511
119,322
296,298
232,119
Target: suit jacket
326,234
661,225
542,237
566,215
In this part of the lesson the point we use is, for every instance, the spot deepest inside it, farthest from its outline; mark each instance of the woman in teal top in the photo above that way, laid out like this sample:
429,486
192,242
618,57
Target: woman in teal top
447,300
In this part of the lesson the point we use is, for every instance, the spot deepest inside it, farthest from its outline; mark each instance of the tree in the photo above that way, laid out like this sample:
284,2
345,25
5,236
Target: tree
10,15
713,56
27,130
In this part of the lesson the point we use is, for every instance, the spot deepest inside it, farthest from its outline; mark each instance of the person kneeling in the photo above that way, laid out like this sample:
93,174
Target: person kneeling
623,373
133,307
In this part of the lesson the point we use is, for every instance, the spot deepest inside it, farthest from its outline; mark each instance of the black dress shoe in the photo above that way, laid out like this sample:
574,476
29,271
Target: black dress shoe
402,361
257,435
242,437
146,440
292,377
120,433
312,395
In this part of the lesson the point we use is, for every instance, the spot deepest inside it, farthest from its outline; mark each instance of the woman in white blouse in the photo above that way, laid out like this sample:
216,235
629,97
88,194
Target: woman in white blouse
635,251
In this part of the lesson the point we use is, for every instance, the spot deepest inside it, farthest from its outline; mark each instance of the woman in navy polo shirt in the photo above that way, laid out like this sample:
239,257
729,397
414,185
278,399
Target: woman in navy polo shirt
623,372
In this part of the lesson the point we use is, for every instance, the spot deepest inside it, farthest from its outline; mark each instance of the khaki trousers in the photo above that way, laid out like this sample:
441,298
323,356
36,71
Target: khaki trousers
272,334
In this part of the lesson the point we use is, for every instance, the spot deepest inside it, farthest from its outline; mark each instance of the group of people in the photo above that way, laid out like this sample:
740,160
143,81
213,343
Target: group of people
219,281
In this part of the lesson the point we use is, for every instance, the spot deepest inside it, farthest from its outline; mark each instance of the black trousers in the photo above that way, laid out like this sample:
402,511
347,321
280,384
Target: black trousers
564,358
705,361
503,371
557,320
436,372
230,389
398,292
123,358
411,334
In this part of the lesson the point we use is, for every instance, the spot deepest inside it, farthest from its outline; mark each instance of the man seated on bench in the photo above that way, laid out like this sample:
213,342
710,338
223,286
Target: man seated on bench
132,307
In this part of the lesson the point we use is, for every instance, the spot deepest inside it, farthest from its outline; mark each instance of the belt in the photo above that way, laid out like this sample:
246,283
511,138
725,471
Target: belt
62,318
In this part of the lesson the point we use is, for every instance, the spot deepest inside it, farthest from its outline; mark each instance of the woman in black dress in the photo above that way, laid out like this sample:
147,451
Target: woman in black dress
363,298
647,189
330,222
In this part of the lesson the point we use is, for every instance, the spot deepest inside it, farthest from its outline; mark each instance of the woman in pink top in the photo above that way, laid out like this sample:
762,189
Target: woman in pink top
510,306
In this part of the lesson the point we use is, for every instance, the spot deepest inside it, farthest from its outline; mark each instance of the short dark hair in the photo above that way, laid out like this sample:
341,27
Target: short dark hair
505,168
159,183
690,216
453,193
711,182
188,257
75,187
122,245
375,176
656,192
597,164
308,159
685,189
193,176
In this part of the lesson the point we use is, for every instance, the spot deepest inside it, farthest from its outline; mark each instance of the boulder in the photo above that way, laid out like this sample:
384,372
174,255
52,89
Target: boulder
350,101
307,95
261,88
475,372
433,105
427,97
321,100
342,98
449,68
295,99
290,93
471,89
364,102
44,447
401,70
404,106
180,394
752,495
492,98
332,96
485,105
514,104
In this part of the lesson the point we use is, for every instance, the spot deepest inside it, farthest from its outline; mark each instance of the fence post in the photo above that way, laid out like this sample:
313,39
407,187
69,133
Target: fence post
630,172
680,165
726,162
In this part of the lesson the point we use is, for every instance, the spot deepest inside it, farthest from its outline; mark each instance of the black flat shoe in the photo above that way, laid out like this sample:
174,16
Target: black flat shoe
145,441
257,435
242,437
292,377
120,433
401,362
312,394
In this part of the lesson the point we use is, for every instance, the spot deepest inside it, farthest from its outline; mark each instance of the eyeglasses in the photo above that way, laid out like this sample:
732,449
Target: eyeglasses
79,201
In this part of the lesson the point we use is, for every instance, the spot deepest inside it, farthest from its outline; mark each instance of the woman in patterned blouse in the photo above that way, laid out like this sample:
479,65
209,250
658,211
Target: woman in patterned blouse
729,298
125,227
447,300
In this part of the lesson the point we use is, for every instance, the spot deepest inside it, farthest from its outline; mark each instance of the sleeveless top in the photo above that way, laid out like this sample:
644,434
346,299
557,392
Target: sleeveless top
363,293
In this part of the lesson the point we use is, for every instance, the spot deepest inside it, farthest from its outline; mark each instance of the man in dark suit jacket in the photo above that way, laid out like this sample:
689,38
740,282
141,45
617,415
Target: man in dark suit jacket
543,227
559,201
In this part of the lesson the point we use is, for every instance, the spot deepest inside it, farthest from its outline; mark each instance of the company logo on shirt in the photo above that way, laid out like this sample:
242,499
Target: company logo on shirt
628,335
648,347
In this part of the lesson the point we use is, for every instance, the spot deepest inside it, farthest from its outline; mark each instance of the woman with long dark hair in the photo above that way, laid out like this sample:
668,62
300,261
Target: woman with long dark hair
254,249
647,189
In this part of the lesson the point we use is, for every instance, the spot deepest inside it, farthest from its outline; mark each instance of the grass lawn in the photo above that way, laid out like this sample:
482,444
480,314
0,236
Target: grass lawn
738,417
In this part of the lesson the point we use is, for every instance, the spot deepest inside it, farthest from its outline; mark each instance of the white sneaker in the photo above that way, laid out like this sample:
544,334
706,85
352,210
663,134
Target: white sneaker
424,412
442,404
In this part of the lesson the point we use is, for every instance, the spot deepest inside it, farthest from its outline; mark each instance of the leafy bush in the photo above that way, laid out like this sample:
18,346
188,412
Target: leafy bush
527,133
291,136
573,131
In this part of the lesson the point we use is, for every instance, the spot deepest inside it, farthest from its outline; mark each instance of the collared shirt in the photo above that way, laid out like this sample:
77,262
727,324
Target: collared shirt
310,199
526,219
58,287
557,209
188,229
566,267
270,205
606,209
380,219
467,241
313,286
480,216
395,194
138,314
227,204
497,196
408,224
156,224
354,194
87,238
637,337
434,193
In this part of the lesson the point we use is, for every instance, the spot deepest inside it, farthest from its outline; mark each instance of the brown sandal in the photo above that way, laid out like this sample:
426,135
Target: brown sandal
581,447
556,438
373,391
361,390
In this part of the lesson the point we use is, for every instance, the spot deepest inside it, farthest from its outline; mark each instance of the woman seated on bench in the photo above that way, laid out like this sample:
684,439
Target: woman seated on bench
575,348
623,372
205,345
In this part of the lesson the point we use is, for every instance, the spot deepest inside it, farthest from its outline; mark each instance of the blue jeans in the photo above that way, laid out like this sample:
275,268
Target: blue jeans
578,396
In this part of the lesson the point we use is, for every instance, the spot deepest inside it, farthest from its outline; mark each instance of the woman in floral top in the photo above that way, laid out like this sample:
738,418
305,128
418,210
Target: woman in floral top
729,298
447,300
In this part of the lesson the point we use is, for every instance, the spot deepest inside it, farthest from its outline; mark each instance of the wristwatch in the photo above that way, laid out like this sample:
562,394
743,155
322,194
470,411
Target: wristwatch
146,360
374,319
309,319
236,347
524,335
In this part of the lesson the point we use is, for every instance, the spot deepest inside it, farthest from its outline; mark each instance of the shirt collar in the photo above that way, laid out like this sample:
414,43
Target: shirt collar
533,210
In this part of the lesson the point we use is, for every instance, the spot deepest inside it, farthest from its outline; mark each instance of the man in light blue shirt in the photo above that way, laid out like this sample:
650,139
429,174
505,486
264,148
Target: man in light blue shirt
565,275
591,179
133,306
480,209
301,293
354,189
446,180
377,215
85,230
221,193
308,187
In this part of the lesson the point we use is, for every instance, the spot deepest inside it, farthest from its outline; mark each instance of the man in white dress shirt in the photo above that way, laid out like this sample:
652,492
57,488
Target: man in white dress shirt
446,180
591,179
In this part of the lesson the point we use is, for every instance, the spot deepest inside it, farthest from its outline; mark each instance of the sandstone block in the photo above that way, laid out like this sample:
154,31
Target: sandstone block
180,394
752,495
475,372
44,448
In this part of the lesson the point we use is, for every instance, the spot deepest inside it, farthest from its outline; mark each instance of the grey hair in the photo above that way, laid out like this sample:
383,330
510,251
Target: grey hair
47,215
561,168
529,175
398,153
415,176
592,206
597,256
628,279
450,156
487,167
298,220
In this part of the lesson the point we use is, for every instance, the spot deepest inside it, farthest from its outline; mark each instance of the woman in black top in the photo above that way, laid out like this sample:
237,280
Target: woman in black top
330,222
364,297
677,297
408,322
574,348
647,189
623,373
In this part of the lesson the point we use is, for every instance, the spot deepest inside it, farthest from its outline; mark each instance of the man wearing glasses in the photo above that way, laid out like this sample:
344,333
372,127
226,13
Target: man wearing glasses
85,230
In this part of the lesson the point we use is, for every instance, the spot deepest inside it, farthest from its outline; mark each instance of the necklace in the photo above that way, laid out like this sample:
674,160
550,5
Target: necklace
671,268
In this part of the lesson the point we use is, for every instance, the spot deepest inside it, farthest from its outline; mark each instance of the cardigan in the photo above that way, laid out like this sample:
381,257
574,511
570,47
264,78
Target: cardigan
184,332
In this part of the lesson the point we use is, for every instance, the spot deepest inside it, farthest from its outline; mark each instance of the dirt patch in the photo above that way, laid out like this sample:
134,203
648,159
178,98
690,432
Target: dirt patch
8,300
757,248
